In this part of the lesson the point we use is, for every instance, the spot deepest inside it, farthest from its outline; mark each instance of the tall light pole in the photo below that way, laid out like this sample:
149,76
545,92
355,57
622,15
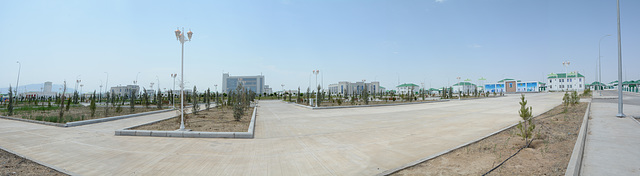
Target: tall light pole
566,74
136,81
158,80
216,86
100,98
77,82
173,75
316,72
106,86
18,80
620,113
180,37
599,63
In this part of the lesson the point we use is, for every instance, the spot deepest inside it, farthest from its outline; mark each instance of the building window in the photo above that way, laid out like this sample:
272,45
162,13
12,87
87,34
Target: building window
580,85
550,86
580,79
510,85
550,81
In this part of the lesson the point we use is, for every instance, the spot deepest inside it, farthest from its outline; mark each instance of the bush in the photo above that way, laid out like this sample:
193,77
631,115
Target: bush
526,126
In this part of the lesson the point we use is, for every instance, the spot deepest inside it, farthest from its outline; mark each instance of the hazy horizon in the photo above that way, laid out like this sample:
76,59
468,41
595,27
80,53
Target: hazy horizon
430,42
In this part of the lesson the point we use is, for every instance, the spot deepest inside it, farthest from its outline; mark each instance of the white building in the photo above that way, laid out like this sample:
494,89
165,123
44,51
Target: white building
464,87
127,90
407,88
349,88
253,83
268,90
565,82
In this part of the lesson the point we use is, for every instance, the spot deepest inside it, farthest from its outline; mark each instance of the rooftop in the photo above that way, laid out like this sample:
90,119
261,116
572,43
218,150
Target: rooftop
564,75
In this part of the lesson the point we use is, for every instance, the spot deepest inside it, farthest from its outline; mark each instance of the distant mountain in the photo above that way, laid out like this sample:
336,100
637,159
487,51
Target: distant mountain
36,88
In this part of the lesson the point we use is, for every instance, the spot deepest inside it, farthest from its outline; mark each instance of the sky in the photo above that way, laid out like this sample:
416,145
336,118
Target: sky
430,42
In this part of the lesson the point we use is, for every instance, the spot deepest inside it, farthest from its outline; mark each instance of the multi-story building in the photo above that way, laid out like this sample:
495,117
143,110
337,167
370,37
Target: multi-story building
407,88
565,82
268,90
464,87
127,90
253,83
349,88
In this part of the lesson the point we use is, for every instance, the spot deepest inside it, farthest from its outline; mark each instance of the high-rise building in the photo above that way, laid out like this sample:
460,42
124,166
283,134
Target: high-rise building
253,83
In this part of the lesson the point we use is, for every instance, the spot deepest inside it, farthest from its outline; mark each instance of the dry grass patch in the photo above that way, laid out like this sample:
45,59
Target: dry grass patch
549,153
11,164
211,120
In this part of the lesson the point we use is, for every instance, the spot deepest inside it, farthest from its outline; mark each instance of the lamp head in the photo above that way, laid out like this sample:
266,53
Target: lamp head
189,34
178,32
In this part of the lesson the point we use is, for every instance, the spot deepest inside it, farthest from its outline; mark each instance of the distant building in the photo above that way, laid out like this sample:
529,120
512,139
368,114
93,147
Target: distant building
253,83
465,87
407,88
512,86
267,90
125,90
349,88
566,82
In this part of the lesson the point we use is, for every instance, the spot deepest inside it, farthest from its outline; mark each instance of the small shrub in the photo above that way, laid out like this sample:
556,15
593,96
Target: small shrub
526,126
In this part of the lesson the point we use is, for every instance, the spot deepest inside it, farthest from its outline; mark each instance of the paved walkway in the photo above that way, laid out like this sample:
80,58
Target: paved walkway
290,140
613,144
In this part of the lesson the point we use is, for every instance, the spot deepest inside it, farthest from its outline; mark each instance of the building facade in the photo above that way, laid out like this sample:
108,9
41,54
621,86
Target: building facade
253,83
465,87
565,82
127,90
349,88
407,88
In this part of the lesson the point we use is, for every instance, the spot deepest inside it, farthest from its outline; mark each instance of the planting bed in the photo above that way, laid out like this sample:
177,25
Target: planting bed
211,120
11,164
556,133
75,113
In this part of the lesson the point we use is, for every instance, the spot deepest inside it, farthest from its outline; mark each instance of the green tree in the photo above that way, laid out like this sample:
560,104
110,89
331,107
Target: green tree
526,126
132,101
64,90
10,105
237,106
68,105
365,95
145,98
92,106
159,100
195,108
207,98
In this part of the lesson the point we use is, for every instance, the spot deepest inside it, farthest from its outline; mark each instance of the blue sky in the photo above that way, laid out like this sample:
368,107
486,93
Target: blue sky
430,42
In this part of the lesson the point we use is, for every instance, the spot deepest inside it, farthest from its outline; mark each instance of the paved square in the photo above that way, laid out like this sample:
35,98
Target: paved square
290,140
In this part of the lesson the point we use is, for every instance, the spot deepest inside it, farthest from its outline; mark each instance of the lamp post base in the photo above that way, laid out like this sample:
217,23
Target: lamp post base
620,115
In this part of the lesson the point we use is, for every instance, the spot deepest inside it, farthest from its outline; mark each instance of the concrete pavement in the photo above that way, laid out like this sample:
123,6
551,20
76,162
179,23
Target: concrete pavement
612,143
289,140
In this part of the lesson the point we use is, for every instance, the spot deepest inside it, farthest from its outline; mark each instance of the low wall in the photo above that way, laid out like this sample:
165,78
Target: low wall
86,122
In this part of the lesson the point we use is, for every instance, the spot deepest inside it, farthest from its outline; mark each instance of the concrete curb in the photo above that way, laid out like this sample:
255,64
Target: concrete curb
362,106
87,122
40,162
575,163
190,134
394,170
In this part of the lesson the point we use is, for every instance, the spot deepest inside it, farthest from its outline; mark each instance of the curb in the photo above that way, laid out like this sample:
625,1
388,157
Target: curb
190,134
575,163
394,170
39,162
86,122
362,106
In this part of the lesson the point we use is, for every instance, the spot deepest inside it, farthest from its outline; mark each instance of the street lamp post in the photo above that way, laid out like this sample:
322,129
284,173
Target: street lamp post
173,75
180,37
599,63
18,80
316,72
106,86
81,97
620,113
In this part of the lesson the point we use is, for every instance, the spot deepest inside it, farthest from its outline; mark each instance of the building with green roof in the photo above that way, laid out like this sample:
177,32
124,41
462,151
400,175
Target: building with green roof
407,88
572,81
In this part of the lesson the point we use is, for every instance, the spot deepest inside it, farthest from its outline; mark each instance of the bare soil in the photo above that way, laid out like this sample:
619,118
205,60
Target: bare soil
78,113
211,120
556,133
11,164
